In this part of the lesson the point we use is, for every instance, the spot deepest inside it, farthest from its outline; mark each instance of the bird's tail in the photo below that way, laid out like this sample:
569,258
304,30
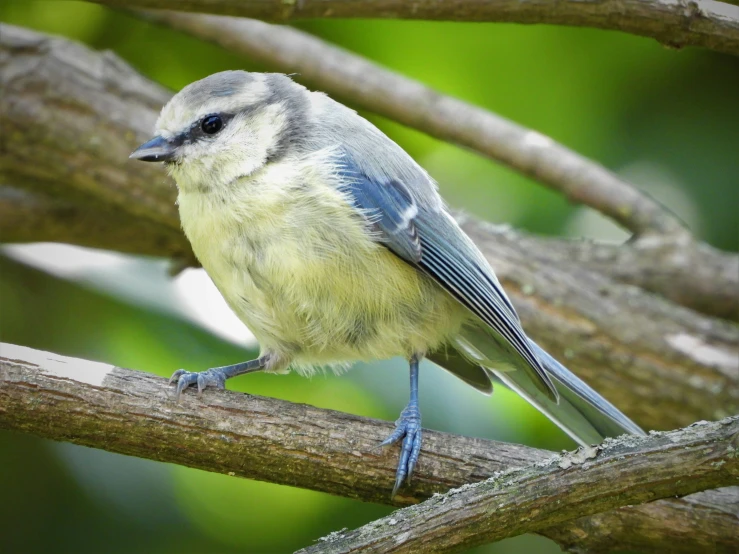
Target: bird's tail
581,412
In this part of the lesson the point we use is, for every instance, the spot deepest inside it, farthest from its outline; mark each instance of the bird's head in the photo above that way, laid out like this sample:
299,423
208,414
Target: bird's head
227,126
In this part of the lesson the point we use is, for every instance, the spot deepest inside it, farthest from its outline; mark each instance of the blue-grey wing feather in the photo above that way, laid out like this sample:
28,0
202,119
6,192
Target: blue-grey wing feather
455,267
390,187
432,242
387,204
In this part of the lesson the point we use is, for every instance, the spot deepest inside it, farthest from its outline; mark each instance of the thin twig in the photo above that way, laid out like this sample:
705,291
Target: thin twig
134,413
387,93
676,24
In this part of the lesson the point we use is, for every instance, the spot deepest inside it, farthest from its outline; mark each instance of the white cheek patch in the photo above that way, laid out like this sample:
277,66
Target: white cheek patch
272,124
83,371
244,145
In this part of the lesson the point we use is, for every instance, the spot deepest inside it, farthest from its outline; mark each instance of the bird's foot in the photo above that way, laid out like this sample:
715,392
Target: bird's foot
407,427
210,378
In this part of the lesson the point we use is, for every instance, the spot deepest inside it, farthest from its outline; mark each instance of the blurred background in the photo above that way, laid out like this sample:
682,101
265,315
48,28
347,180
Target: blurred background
667,120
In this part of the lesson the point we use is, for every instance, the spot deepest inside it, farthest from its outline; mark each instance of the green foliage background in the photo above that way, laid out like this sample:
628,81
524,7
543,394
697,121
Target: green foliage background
668,120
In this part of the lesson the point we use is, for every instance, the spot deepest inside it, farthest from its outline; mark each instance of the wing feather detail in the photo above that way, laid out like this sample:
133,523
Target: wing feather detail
432,242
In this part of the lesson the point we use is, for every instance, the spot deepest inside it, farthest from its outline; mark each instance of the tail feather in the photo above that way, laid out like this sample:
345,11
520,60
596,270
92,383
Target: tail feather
581,412
456,364
608,420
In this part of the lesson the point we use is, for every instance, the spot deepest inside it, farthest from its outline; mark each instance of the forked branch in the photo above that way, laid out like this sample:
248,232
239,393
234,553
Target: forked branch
623,471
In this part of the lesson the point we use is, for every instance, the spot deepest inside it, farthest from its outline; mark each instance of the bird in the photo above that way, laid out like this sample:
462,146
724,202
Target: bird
333,246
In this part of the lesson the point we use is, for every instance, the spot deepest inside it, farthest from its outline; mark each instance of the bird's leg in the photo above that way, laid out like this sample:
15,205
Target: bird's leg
407,427
216,376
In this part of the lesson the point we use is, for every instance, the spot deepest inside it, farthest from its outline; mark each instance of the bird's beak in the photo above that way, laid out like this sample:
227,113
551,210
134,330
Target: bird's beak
157,149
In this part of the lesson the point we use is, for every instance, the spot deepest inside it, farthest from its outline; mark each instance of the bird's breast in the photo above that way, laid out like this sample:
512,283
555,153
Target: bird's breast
301,271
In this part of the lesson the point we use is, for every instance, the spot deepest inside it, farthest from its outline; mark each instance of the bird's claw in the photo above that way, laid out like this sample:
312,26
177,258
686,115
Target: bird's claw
203,379
407,427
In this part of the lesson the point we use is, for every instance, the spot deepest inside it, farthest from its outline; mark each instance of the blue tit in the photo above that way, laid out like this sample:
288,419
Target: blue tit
333,245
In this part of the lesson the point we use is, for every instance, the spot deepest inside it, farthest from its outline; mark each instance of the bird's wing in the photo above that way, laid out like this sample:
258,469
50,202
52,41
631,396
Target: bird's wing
388,205
432,242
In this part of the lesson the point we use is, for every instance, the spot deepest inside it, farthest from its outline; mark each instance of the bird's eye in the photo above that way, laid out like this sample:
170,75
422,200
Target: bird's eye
211,124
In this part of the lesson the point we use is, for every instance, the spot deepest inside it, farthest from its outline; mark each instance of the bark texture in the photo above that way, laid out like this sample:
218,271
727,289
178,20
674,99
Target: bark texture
553,491
134,413
675,23
701,522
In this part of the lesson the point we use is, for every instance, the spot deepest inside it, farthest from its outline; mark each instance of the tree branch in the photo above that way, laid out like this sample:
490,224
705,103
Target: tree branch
387,93
665,366
709,284
27,216
554,491
134,413
707,523
676,24
89,110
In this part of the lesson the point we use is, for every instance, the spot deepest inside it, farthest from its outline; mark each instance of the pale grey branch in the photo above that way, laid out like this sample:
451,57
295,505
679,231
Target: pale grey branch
675,23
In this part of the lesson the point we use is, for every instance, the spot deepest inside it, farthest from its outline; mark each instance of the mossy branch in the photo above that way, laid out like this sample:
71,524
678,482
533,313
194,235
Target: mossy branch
624,471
